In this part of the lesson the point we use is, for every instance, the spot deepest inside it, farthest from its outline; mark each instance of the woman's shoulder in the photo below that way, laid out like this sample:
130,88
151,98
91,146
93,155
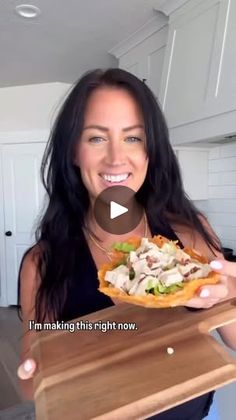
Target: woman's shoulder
190,237
29,281
30,261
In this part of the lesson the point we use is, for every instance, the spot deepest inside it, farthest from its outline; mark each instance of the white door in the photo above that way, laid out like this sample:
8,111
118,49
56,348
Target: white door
23,198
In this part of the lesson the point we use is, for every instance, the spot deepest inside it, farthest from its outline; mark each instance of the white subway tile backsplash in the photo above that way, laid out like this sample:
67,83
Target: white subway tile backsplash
222,164
229,232
222,178
214,153
222,191
227,150
220,208
217,229
218,205
202,205
221,219
224,232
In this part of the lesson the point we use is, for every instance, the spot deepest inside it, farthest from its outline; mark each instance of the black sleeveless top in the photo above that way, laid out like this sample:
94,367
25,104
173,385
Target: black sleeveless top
83,298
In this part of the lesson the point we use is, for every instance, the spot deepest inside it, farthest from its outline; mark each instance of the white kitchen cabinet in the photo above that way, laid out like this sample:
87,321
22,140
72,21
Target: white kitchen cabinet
143,53
194,169
198,90
194,55
146,60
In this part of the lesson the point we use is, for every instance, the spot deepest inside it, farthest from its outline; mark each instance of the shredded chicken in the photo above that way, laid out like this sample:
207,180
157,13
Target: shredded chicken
151,269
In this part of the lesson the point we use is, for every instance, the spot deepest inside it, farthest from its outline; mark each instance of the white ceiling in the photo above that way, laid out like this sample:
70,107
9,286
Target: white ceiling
68,38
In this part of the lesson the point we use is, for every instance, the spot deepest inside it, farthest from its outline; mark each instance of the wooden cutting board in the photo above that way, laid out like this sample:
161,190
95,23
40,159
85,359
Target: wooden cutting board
90,374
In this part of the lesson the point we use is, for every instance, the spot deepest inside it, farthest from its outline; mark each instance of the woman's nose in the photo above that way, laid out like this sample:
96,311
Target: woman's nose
115,153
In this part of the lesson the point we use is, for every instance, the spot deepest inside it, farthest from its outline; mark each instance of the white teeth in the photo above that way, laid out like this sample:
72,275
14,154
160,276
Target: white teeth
115,178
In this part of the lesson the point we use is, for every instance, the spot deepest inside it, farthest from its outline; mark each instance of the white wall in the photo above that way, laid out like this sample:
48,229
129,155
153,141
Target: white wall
30,107
222,190
221,206
220,209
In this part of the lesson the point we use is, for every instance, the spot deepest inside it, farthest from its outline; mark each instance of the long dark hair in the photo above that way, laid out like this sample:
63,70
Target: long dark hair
59,231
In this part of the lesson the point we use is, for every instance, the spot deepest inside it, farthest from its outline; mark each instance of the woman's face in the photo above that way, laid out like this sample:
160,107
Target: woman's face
111,150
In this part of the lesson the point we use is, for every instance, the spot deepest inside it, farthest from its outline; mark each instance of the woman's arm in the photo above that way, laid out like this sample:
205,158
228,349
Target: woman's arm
28,288
212,294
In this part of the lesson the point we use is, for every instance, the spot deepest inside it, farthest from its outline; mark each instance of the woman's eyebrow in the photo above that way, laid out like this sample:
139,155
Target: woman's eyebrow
133,126
98,127
101,128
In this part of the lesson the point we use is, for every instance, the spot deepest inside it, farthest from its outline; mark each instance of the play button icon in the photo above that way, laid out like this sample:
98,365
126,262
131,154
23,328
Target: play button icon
117,211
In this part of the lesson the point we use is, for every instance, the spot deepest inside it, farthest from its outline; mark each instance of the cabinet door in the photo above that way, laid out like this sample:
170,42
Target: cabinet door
133,62
222,91
23,198
146,59
194,61
154,53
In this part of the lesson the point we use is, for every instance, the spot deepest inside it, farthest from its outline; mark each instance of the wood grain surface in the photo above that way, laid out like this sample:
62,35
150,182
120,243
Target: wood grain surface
119,374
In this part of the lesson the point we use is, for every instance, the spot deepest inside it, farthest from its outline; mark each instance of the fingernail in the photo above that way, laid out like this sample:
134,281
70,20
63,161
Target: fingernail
28,366
216,265
204,293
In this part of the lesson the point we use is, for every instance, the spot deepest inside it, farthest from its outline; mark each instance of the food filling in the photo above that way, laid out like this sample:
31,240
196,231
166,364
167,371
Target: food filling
153,269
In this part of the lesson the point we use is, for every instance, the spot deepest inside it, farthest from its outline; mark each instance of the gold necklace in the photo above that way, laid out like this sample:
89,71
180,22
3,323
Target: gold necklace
109,253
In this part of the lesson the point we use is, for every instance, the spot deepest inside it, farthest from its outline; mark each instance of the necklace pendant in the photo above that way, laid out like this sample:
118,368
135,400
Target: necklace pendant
109,255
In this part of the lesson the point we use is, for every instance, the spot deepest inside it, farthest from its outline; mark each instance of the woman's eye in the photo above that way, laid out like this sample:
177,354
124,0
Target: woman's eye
96,139
133,139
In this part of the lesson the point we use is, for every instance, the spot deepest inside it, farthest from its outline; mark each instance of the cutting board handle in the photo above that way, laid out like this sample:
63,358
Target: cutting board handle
221,314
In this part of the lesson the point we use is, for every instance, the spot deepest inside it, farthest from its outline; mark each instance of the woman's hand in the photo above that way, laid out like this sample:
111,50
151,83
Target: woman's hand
225,267
26,369
210,295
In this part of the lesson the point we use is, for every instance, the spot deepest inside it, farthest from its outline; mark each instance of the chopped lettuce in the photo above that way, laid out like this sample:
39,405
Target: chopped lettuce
123,246
159,289
169,248
150,286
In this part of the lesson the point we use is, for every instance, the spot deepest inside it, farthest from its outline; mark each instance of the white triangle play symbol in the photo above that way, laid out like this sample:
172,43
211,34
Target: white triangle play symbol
116,210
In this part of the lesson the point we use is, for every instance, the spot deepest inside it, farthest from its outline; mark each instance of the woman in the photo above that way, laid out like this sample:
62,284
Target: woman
110,125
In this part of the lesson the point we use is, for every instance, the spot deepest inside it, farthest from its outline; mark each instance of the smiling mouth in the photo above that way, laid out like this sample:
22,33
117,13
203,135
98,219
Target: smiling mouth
115,179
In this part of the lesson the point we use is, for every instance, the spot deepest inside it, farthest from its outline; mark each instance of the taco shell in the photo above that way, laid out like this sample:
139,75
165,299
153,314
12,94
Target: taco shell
178,298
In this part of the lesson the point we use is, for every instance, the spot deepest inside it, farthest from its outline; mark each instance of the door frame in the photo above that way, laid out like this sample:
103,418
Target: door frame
14,137
3,282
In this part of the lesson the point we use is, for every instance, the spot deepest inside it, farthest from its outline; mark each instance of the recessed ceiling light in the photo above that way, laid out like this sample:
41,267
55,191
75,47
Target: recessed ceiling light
28,11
